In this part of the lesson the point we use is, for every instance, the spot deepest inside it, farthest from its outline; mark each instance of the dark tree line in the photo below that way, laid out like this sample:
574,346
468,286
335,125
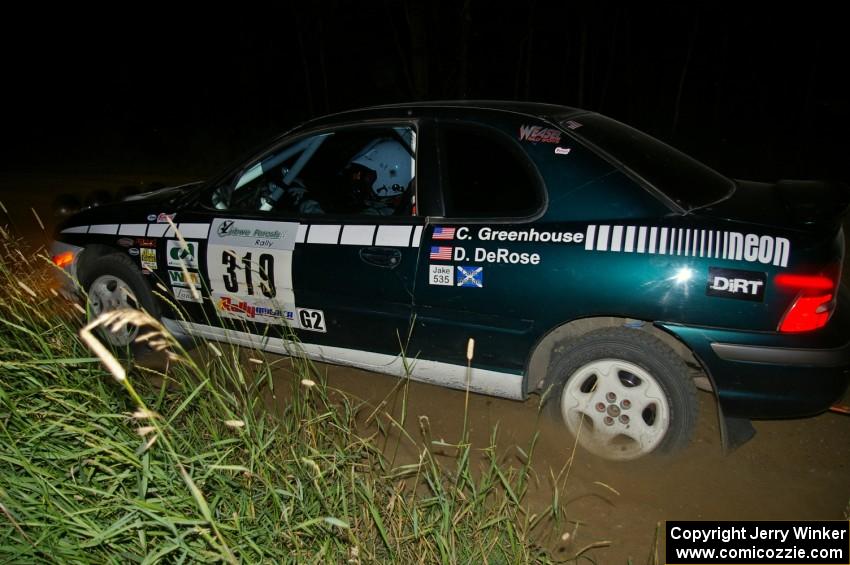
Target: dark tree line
756,92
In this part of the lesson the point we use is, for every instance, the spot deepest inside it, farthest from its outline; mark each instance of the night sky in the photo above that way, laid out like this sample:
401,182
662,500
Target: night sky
757,94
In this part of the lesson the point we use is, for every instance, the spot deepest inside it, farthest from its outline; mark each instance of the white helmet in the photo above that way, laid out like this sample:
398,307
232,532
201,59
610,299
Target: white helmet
391,163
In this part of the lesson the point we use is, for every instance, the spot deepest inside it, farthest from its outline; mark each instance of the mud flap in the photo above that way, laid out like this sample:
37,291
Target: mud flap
735,432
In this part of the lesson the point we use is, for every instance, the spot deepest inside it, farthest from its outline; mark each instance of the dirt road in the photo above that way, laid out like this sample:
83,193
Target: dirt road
794,469
797,469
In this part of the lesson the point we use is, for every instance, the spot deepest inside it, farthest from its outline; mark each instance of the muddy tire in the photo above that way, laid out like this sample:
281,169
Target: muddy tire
114,281
623,393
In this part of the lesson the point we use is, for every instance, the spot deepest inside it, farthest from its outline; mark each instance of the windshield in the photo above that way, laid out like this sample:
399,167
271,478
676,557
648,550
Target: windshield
684,180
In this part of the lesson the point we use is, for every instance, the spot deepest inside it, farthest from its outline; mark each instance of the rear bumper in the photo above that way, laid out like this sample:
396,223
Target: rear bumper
766,375
787,356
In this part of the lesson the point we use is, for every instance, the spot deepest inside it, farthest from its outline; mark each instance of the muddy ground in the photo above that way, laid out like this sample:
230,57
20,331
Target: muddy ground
794,469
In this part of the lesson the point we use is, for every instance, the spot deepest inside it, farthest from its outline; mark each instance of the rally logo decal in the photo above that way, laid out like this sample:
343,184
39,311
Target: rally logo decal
734,283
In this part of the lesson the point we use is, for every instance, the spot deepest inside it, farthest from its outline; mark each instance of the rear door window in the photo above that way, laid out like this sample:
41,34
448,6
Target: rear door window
485,174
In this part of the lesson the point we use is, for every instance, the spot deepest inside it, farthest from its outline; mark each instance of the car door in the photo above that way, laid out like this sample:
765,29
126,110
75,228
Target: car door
355,262
296,252
471,285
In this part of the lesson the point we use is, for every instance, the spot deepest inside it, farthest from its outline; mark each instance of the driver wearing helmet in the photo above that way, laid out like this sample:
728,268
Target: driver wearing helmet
380,175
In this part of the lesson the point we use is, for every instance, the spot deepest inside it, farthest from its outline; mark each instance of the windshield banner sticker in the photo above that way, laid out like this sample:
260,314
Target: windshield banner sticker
536,134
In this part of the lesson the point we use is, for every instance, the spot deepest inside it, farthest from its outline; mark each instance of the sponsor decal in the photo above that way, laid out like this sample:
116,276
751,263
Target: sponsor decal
145,242
562,150
734,283
133,251
162,217
178,278
311,320
125,242
689,242
537,134
225,227
250,310
185,295
470,277
443,233
176,255
279,235
148,258
572,124
441,253
440,275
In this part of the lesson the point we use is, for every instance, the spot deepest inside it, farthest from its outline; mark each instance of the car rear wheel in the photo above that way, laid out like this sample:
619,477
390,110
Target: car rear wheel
113,282
623,394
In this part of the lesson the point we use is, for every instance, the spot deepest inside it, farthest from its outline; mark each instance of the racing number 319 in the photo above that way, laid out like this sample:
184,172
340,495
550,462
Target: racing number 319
265,264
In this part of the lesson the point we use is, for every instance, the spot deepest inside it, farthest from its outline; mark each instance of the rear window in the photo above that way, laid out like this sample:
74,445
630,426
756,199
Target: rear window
686,181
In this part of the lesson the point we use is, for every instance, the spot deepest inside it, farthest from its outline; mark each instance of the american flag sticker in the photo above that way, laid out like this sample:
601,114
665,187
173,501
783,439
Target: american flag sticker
443,233
441,253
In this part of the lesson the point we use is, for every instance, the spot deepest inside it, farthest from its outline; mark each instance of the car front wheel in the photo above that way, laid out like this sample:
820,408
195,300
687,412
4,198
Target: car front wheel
114,282
623,394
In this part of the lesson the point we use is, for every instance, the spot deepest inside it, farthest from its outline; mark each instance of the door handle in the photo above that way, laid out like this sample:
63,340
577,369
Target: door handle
385,257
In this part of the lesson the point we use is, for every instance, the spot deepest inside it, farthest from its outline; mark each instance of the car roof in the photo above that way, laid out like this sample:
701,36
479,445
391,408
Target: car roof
536,110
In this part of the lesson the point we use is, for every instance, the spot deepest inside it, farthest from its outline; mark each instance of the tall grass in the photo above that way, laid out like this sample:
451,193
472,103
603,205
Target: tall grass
188,464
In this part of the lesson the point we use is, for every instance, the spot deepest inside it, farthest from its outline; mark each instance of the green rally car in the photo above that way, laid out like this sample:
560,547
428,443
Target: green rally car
587,261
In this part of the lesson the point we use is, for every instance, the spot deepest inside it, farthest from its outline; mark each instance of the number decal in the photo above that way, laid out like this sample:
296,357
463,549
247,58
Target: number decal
266,270
267,275
228,259
246,265
249,265
312,320
440,275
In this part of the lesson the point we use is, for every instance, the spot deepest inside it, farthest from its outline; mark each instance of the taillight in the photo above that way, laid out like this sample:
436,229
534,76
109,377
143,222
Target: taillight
63,259
814,303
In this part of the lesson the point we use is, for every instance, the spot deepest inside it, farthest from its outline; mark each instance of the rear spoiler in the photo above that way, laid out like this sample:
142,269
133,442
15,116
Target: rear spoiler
812,203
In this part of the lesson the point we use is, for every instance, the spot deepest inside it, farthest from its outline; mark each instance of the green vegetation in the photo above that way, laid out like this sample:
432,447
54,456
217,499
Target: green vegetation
137,465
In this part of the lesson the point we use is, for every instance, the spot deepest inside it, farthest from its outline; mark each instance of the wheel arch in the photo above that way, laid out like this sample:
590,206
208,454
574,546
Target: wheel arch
89,255
538,378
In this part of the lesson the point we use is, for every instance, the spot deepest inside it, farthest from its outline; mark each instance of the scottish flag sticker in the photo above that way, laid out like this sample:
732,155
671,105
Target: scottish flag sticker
470,276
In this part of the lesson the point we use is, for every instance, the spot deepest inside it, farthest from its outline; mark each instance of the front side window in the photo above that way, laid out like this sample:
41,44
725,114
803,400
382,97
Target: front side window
352,171
484,176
